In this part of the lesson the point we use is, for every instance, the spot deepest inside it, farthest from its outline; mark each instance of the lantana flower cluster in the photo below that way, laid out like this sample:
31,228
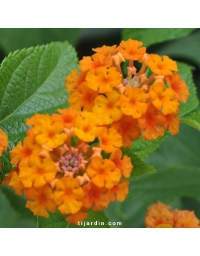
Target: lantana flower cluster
72,161
133,92
160,215
54,169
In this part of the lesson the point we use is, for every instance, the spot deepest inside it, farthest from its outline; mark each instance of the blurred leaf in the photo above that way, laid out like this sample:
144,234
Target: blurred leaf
131,214
140,167
187,49
12,39
193,119
32,81
10,218
18,203
192,103
151,36
191,204
177,165
56,220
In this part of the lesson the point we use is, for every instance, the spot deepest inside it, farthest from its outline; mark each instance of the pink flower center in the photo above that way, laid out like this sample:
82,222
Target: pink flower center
70,162
132,81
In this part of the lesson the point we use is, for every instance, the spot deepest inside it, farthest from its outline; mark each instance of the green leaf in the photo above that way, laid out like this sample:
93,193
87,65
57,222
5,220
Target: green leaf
140,167
192,103
185,49
12,39
151,36
142,148
18,203
56,220
191,204
177,162
32,81
177,165
10,218
193,119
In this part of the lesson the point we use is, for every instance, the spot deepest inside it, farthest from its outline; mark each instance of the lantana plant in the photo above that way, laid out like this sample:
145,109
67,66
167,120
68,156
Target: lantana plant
73,150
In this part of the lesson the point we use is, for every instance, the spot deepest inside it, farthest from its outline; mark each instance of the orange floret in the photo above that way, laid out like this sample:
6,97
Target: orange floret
42,200
107,107
119,191
106,50
83,98
103,79
37,119
67,116
68,195
73,80
172,123
3,141
50,134
133,102
38,172
103,173
131,49
15,182
95,61
23,151
86,126
124,164
179,86
95,197
161,66
185,219
159,215
109,139
163,98
8,178
151,123
128,128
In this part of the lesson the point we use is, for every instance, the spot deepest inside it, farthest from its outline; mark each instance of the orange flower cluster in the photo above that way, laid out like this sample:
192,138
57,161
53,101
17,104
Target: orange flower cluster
142,100
160,215
57,168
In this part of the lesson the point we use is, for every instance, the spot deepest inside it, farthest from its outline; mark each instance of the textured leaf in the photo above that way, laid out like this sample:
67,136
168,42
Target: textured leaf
56,220
177,165
142,148
12,39
140,167
32,81
193,119
151,36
